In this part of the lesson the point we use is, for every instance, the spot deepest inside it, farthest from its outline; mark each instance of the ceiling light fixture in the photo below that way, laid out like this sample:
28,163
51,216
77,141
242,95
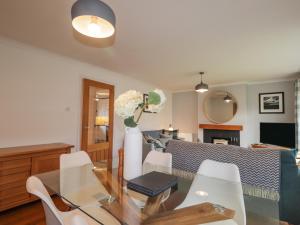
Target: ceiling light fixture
93,18
202,87
227,98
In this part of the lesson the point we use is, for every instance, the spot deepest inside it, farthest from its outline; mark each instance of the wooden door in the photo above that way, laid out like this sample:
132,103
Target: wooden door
97,120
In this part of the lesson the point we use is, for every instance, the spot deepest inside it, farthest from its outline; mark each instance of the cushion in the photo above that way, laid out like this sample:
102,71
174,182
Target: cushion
165,141
157,143
170,136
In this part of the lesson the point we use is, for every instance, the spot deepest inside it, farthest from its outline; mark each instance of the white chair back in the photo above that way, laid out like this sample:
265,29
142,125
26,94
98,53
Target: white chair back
225,171
229,172
158,159
78,220
34,186
74,159
69,184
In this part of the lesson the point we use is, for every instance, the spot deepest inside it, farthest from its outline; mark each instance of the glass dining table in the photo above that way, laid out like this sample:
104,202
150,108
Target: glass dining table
197,200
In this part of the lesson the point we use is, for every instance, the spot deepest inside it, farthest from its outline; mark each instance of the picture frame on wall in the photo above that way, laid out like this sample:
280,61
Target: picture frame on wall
145,100
271,103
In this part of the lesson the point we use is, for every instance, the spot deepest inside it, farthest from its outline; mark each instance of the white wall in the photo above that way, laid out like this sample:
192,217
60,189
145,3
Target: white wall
185,108
41,94
185,112
254,118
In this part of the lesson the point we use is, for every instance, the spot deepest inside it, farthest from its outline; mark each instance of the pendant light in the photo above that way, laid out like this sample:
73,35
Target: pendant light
93,18
227,98
202,87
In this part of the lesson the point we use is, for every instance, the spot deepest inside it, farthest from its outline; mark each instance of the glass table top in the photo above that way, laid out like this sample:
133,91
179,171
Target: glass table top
91,189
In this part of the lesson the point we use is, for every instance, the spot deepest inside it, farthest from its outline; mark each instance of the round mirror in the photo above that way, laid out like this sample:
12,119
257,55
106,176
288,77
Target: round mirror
220,106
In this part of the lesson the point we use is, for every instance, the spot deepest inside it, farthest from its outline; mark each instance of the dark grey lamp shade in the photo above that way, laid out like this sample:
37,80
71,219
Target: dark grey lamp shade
227,98
93,18
202,87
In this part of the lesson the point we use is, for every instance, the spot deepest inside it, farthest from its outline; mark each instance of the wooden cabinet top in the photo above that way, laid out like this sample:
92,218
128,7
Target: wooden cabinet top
21,150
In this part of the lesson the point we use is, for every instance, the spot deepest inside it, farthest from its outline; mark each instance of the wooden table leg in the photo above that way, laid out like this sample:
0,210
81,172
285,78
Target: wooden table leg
153,204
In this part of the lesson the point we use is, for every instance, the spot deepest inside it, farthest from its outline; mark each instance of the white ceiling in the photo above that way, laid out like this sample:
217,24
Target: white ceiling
167,42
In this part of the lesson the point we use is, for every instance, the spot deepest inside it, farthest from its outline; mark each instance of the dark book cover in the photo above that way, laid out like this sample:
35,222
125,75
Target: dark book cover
152,184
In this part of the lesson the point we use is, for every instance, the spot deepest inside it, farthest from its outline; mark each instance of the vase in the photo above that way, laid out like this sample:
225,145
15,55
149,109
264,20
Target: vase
133,151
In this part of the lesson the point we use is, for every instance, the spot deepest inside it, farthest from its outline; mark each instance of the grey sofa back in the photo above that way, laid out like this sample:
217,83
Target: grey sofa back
152,133
147,147
259,169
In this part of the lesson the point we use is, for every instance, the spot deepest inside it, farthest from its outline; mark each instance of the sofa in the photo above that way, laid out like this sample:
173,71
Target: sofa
289,188
265,173
155,134
147,147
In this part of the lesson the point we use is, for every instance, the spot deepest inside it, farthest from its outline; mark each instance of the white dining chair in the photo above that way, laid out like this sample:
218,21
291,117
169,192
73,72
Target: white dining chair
78,220
160,162
225,171
55,217
228,194
74,159
154,161
69,160
230,172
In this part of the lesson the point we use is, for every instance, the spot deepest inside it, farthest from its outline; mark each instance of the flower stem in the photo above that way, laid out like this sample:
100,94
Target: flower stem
141,112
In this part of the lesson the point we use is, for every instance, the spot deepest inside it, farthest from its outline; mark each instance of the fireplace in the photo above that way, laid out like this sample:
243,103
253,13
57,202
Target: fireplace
221,134
220,141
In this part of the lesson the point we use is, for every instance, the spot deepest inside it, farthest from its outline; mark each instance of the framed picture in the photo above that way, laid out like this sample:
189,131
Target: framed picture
145,99
271,103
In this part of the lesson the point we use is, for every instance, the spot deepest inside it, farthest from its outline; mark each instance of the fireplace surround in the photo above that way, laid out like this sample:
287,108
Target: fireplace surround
233,136
212,132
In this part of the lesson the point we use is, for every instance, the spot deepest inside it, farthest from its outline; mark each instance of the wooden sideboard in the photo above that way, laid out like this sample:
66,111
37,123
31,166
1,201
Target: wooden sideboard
18,163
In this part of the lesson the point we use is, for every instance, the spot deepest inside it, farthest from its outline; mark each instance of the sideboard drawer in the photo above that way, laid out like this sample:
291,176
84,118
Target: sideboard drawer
15,166
46,163
14,200
10,164
13,178
10,192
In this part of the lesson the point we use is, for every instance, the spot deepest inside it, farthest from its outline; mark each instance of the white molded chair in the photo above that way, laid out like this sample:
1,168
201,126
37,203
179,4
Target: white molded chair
154,161
69,183
225,171
78,220
219,192
69,160
230,172
159,159
54,216
74,159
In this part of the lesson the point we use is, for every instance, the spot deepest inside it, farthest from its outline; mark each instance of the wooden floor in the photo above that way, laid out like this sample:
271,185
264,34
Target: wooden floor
29,214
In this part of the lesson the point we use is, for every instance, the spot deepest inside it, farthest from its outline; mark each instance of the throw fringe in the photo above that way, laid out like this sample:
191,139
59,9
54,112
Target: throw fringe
260,192
248,189
183,174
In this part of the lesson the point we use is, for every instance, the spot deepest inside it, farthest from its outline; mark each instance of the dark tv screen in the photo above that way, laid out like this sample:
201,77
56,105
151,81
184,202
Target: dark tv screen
282,134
